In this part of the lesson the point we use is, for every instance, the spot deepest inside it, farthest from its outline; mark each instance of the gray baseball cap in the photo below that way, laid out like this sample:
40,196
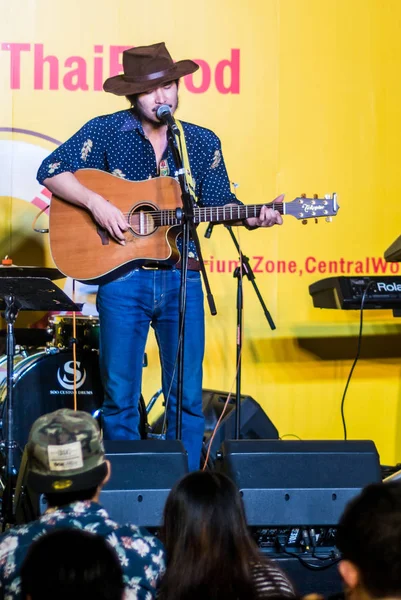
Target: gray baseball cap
65,452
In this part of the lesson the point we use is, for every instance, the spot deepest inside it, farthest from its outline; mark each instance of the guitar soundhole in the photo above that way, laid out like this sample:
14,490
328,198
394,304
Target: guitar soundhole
142,219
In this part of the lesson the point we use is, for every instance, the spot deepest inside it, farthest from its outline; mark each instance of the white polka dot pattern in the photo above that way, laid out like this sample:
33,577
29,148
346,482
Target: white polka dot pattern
117,143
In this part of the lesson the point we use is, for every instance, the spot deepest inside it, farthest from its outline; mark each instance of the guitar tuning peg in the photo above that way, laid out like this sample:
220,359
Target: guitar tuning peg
329,219
315,196
303,195
304,222
316,221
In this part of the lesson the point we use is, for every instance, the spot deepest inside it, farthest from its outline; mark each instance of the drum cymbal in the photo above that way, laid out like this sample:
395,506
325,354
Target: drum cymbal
16,271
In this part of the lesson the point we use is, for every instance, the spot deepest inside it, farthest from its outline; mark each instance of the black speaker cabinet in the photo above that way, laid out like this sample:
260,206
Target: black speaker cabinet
298,482
142,474
255,424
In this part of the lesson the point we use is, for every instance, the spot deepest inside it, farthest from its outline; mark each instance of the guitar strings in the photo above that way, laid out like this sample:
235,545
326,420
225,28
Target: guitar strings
161,217
206,208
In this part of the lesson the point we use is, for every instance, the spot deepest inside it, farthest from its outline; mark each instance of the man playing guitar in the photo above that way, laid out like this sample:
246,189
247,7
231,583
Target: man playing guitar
132,145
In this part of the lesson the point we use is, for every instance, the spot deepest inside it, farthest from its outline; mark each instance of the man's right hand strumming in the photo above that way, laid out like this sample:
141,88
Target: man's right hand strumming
109,217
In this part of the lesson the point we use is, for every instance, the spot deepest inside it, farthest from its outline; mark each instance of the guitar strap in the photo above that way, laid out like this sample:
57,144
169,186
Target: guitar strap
185,159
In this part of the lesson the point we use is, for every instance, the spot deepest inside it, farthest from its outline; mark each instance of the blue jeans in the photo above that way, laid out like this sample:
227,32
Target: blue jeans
127,306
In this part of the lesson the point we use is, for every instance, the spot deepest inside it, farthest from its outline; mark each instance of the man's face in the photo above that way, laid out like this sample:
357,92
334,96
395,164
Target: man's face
147,103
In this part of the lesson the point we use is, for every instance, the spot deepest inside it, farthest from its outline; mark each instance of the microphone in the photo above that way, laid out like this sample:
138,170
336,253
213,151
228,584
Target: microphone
164,115
209,230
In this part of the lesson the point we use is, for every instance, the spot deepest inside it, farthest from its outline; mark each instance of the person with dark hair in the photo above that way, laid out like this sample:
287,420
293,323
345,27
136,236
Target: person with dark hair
132,144
70,564
369,539
66,462
210,553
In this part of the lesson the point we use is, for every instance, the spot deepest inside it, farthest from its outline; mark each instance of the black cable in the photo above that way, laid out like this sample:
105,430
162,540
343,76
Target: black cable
309,539
314,543
309,565
356,357
324,558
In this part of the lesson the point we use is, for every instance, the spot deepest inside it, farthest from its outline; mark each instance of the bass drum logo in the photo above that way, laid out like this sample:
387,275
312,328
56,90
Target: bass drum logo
65,375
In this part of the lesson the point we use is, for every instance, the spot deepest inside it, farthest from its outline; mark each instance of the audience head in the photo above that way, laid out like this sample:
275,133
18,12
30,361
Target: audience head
208,546
204,511
66,459
71,564
369,538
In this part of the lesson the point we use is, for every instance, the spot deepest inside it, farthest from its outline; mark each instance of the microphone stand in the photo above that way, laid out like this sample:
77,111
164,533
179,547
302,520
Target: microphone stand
186,215
244,268
10,314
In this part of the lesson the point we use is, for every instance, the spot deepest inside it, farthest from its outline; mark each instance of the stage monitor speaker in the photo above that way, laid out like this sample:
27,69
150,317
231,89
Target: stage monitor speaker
255,424
298,482
142,475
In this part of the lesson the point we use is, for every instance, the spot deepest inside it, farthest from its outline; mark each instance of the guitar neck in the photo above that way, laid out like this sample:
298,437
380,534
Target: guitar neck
221,214
217,214
301,208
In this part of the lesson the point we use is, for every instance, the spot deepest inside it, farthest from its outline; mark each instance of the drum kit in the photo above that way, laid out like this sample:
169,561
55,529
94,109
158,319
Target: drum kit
38,380
43,377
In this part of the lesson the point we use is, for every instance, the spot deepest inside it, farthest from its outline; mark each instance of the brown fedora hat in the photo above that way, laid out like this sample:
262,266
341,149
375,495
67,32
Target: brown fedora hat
146,68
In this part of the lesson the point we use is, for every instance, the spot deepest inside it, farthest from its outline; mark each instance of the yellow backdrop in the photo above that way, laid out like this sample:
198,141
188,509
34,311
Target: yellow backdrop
305,96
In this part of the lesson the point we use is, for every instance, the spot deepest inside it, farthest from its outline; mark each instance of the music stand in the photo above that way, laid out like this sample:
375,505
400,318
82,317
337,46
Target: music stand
23,288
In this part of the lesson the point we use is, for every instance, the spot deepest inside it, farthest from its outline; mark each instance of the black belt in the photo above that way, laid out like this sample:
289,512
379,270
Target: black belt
193,265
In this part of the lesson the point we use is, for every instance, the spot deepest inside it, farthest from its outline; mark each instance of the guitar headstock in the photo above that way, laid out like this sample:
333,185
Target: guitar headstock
304,208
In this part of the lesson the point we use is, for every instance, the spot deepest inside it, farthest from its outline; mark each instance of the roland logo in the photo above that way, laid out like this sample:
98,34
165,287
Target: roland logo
388,287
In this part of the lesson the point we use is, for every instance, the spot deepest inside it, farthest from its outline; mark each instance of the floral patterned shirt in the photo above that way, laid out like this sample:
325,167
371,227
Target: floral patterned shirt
117,143
141,555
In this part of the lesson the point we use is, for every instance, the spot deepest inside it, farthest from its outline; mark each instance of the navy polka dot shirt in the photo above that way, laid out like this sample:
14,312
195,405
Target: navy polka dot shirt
117,143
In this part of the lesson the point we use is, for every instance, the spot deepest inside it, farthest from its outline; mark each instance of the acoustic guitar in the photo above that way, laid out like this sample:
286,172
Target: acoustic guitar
81,249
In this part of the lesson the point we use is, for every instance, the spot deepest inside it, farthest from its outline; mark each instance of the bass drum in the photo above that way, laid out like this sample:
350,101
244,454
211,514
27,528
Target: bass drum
19,356
43,382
